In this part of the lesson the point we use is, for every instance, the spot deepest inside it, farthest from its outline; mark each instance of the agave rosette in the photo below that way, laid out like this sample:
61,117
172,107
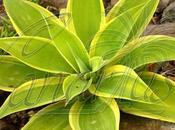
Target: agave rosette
86,63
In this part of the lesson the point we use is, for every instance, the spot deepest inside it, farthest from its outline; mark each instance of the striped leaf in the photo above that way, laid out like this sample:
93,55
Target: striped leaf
123,28
144,18
96,63
52,117
67,44
33,94
114,35
149,49
96,114
36,52
165,89
74,85
35,25
122,82
86,18
13,73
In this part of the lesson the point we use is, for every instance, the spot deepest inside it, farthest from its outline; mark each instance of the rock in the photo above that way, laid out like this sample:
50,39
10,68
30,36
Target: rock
130,122
55,3
169,14
162,29
162,5
113,2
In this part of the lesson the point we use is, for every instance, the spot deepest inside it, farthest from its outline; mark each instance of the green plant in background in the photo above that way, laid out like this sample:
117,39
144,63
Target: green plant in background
35,1
89,67
6,30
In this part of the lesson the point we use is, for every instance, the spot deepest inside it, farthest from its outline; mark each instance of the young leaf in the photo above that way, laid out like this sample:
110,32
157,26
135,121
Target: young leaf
164,88
122,82
146,50
144,18
13,73
73,85
53,117
33,94
86,18
36,52
28,21
96,63
114,35
97,114
64,17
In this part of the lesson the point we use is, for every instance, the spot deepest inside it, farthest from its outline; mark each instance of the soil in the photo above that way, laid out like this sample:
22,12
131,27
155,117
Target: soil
163,22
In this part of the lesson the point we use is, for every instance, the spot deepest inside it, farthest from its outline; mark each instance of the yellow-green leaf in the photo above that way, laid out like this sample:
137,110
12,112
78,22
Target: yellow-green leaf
36,52
144,18
27,20
164,88
13,73
122,82
42,23
53,117
96,63
33,94
96,114
114,35
149,49
87,17
129,24
74,85
67,44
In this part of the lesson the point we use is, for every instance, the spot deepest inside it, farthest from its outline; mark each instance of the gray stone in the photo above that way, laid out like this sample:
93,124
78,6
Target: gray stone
130,122
56,3
169,14
162,29
113,2
162,5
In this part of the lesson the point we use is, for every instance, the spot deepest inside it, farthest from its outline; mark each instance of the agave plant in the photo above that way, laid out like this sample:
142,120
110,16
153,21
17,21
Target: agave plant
87,67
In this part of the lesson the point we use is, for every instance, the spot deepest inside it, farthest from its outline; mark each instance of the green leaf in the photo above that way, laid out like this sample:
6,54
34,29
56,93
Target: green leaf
68,45
114,35
53,117
36,52
122,82
1,52
33,94
144,18
96,63
87,17
72,49
126,26
96,114
28,21
164,88
74,85
146,50
13,73
64,17
42,23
